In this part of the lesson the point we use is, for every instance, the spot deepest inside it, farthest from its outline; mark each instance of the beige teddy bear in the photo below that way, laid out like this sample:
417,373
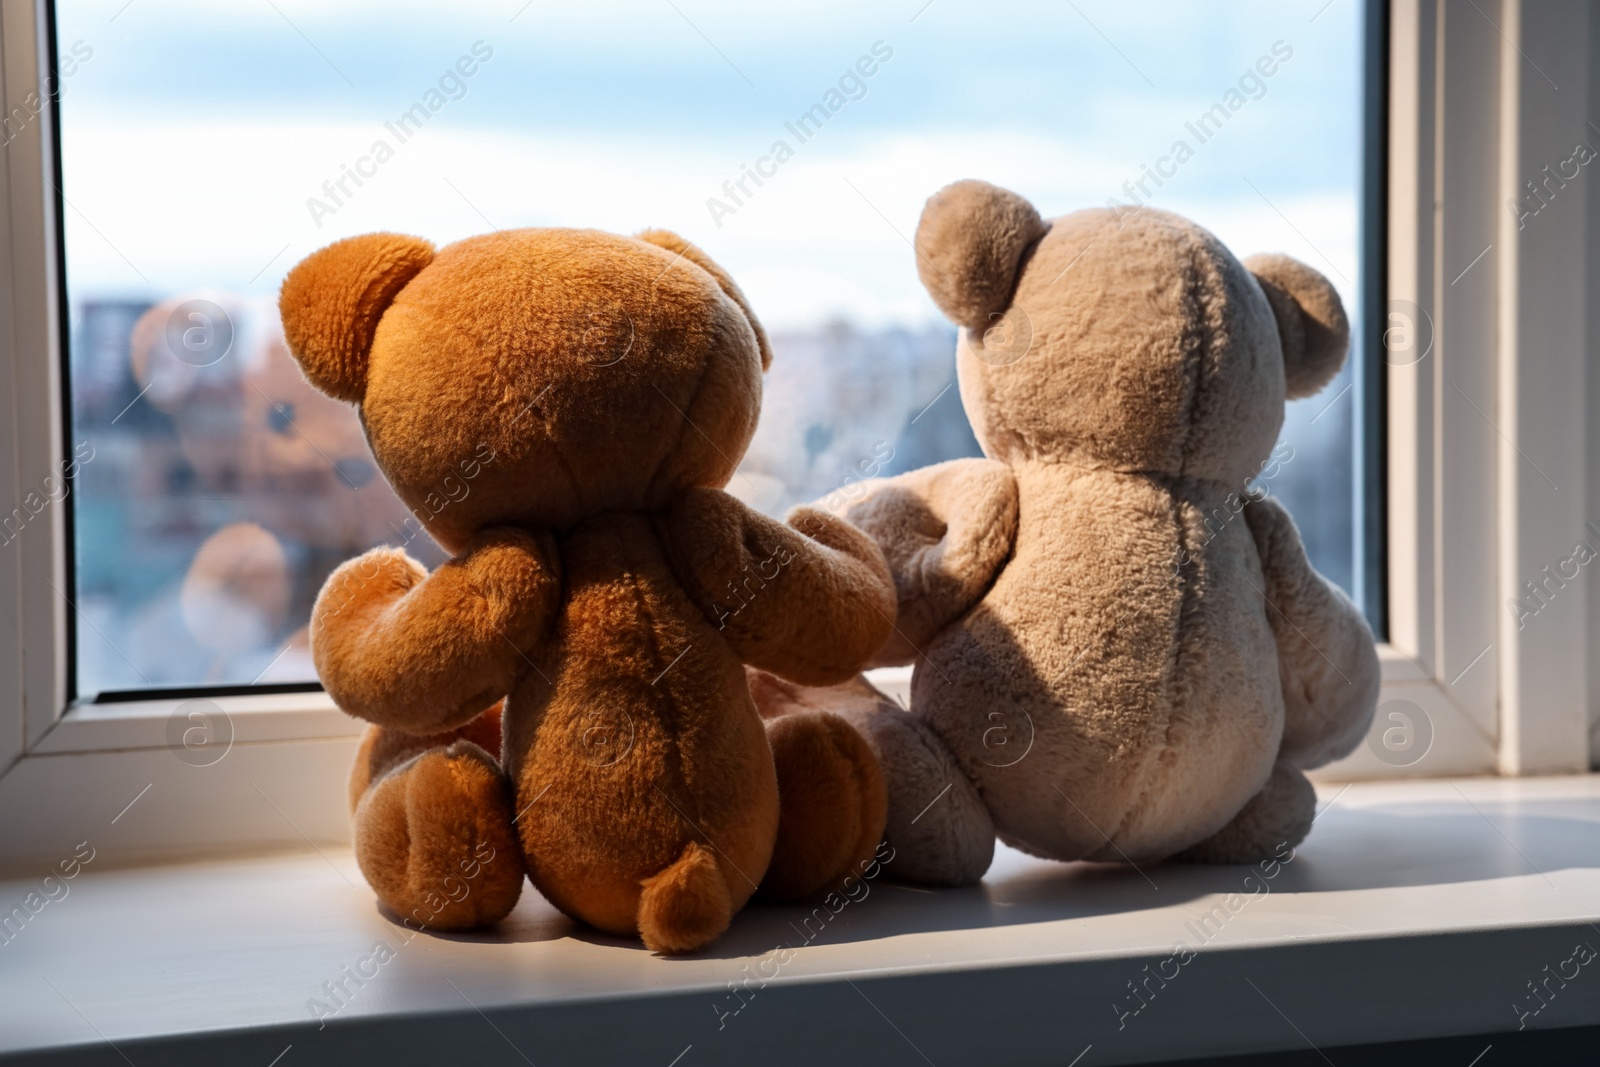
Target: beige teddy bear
1121,652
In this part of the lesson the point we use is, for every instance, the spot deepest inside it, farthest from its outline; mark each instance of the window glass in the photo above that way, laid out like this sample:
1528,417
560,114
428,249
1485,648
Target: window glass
206,147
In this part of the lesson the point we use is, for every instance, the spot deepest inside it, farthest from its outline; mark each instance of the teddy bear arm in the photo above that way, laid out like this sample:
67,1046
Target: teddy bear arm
810,599
1327,662
946,531
423,653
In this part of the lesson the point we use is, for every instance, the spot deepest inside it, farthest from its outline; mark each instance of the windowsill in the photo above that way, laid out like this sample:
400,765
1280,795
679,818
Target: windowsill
1415,909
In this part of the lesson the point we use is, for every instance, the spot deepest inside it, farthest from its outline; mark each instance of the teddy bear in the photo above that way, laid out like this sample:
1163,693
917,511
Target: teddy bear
288,466
1121,651
564,697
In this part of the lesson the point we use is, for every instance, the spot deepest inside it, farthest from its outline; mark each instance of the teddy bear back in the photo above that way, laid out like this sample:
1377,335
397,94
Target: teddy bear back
1123,653
577,371
1129,340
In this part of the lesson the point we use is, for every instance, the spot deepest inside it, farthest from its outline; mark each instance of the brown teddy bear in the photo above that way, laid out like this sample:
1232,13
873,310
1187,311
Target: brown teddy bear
602,389
287,467
1121,651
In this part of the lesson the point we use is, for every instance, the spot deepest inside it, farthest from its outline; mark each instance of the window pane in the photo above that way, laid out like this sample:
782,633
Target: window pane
207,147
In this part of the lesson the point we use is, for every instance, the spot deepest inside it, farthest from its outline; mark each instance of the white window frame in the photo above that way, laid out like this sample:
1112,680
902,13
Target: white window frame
1468,515
67,773
1487,436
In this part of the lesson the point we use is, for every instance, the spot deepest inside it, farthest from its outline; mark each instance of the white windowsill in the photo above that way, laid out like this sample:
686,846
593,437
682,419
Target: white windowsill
1415,909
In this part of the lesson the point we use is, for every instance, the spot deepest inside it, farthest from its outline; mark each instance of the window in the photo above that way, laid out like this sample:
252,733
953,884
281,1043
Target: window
206,148
175,496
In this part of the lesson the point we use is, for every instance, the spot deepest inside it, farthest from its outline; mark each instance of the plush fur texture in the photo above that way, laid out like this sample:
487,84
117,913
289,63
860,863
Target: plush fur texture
832,780
1311,322
566,406
331,304
970,244
957,846
1121,654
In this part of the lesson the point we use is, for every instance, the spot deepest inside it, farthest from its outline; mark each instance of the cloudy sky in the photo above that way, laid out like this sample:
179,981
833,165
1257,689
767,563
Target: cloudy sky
196,132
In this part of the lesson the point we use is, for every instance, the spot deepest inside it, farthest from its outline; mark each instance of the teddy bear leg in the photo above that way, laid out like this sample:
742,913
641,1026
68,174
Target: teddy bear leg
939,829
433,825
832,799
1277,817
936,825
832,803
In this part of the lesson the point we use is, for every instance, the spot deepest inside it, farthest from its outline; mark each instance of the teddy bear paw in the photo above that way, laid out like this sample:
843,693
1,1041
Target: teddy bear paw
1276,818
434,838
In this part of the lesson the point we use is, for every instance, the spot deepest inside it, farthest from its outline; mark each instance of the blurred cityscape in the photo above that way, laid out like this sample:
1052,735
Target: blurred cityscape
223,489
843,403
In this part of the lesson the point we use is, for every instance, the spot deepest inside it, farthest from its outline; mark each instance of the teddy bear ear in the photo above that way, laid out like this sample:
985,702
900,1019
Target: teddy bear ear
332,300
970,242
1311,322
694,254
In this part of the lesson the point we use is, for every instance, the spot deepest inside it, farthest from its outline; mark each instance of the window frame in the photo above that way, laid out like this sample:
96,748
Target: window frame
68,768
1443,161
1469,118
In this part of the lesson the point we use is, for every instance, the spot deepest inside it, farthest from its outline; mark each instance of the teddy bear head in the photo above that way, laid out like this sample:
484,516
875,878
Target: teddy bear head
1127,339
532,377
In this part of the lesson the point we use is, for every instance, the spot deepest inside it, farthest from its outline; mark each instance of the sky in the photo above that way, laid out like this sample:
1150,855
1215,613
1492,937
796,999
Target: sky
195,134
